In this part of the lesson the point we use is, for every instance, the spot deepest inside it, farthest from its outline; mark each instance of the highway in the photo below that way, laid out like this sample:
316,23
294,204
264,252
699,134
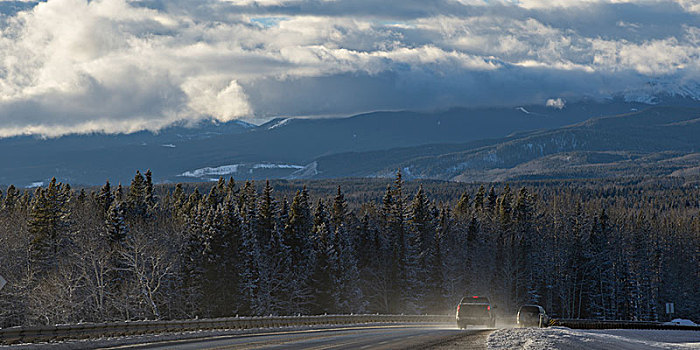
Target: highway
405,336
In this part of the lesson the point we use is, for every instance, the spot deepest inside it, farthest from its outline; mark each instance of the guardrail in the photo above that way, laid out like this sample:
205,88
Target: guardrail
598,324
13,335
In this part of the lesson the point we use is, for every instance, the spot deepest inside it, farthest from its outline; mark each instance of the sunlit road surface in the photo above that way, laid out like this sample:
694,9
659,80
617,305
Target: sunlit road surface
352,337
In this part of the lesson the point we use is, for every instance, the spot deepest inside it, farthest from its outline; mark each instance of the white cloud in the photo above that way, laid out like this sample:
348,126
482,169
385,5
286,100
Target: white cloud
558,103
121,65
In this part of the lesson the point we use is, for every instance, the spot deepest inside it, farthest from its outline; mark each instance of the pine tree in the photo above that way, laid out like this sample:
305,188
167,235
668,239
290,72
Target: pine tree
116,226
479,198
266,215
423,226
297,237
340,208
279,269
491,200
119,193
250,273
322,280
347,292
12,198
136,198
436,300
49,223
463,205
149,195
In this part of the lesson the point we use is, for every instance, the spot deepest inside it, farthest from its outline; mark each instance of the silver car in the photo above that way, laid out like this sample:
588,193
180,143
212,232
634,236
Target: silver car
532,316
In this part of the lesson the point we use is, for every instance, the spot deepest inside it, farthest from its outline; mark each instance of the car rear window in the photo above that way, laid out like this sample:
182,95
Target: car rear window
473,310
530,309
475,300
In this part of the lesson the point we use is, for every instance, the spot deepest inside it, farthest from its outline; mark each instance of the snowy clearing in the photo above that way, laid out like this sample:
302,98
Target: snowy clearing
565,338
236,168
682,322
280,123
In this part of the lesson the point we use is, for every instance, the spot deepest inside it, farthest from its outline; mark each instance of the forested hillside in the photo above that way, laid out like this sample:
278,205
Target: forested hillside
612,250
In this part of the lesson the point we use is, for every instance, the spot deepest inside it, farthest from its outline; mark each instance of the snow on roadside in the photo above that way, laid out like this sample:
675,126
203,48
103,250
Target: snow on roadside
565,338
682,322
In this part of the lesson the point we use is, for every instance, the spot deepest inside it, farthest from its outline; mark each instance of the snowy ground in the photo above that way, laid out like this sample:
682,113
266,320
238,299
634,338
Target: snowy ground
565,338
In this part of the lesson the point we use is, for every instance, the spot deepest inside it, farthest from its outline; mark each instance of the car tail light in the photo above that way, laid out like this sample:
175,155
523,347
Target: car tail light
476,297
488,307
458,307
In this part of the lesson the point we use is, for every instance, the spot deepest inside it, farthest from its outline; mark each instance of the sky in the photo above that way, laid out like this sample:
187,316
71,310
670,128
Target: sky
119,66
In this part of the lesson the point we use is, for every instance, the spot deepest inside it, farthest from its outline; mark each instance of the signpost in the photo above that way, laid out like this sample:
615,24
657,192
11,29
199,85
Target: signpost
669,308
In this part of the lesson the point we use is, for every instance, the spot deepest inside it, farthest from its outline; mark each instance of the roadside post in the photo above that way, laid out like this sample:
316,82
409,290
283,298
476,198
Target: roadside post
670,310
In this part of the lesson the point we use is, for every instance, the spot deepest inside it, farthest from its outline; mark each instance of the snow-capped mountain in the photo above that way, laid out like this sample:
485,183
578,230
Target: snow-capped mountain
657,91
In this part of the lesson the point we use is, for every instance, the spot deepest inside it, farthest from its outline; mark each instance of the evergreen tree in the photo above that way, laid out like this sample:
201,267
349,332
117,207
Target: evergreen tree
479,198
322,280
116,226
12,198
463,205
347,292
267,215
136,198
340,208
436,300
297,236
149,195
249,274
49,223
491,200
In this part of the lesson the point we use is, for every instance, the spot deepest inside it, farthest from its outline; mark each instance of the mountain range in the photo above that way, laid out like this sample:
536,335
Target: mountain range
586,139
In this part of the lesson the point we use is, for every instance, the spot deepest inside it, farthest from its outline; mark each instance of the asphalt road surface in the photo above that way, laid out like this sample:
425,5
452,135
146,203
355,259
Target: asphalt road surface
351,337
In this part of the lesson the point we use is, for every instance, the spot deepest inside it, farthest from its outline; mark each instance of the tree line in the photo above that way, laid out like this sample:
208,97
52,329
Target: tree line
169,252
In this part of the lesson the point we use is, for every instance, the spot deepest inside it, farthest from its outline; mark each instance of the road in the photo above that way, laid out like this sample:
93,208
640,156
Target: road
404,336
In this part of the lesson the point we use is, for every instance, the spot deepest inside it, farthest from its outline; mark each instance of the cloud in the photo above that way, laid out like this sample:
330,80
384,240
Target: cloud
126,65
556,103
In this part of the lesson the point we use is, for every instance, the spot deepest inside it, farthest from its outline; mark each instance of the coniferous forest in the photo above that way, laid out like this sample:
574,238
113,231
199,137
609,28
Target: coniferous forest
580,249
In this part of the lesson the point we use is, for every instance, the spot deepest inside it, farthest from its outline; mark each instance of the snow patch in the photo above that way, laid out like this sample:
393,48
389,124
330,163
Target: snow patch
235,168
169,145
682,322
523,110
279,123
35,184
652,90
309,171
556,103
245,124
277,166
565,338
222,170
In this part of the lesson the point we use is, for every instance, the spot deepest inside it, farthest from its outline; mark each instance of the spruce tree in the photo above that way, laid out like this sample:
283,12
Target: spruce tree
12,198
347,292
136,198
340,208
149,194
249,274
267,215
322,280
479,198
463,205
49,223
115,223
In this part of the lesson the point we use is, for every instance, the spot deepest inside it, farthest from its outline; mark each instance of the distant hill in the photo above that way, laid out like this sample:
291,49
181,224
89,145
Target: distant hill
442,145
656,141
